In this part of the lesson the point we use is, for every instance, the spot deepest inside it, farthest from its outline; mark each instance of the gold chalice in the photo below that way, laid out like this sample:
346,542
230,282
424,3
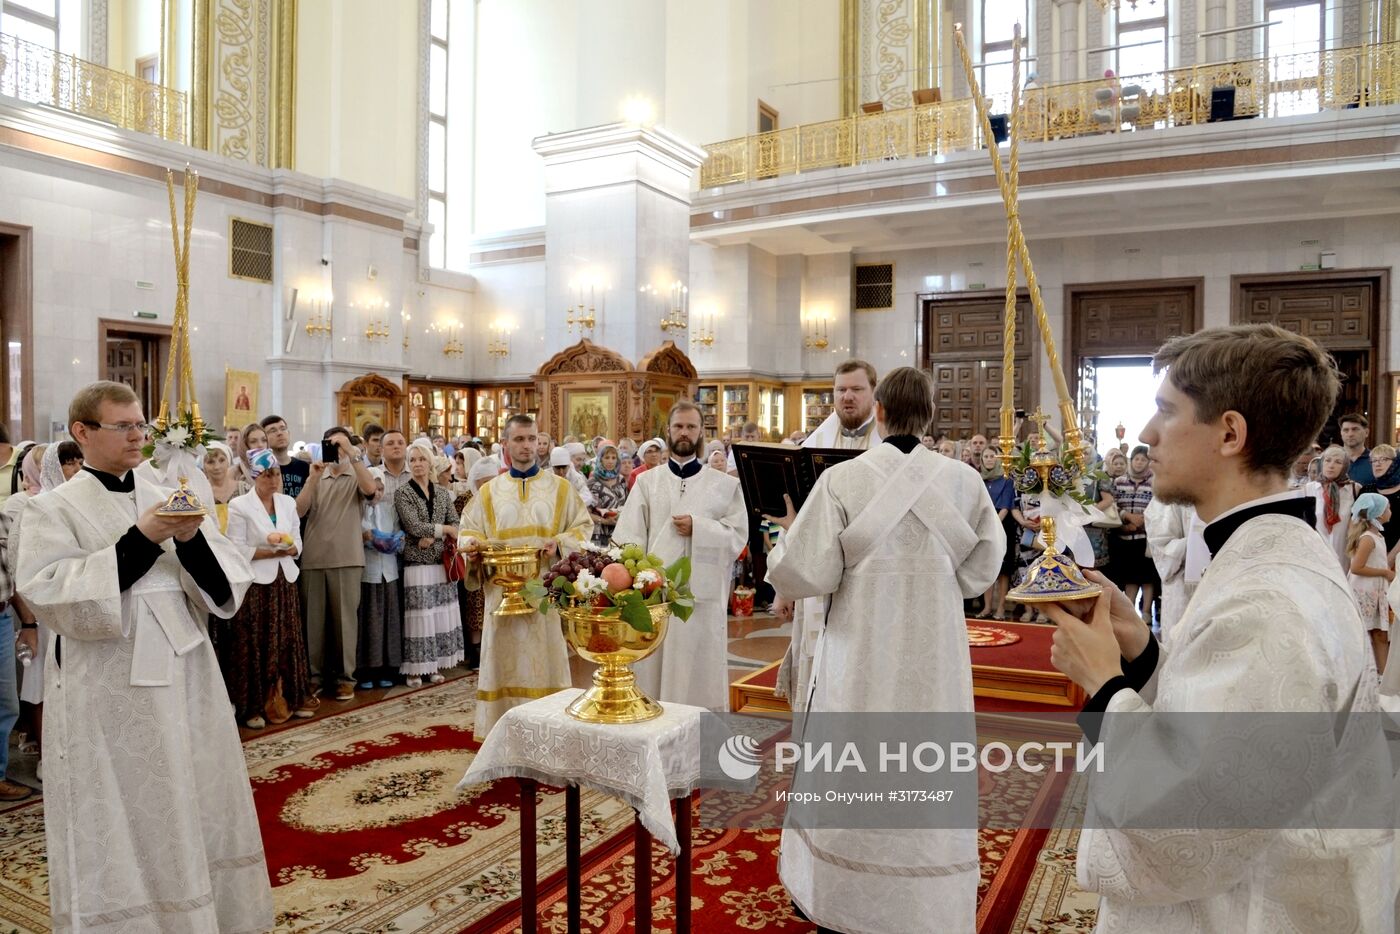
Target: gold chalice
510,566
602,636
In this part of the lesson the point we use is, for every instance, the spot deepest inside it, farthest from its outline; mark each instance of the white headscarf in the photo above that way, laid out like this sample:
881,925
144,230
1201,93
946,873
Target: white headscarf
485,469
51,470
219,446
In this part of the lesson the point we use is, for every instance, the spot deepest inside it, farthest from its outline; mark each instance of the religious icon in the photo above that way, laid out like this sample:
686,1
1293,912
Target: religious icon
586,413
240,397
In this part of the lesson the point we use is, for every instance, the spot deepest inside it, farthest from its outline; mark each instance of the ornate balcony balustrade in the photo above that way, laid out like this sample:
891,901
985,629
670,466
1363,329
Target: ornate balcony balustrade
1357,76
40,75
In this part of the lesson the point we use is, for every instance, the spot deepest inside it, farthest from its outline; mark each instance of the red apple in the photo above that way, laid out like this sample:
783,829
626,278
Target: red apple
617,577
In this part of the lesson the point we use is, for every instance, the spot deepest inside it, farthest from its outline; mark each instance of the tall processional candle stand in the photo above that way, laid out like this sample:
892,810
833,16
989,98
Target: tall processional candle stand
1054,577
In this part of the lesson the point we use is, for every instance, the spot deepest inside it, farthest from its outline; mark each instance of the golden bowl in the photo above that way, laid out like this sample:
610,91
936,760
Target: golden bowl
510,566
601,636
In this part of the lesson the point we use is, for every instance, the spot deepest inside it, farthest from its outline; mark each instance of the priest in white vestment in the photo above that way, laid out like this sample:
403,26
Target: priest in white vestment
896,539
523,658
850,426
1271,628
148,813
682,509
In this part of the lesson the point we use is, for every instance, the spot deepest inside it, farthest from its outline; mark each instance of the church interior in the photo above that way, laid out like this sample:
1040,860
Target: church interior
438,216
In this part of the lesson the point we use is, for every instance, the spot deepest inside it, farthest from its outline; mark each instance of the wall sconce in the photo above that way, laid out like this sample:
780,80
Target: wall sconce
580,314
405,317
499,345
677,317
814,335
705,332
319,324
378,328
452,347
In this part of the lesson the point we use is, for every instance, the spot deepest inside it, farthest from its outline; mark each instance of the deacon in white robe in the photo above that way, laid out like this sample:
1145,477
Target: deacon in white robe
149,816
1173,531
691,666
523,658
1271,629
896,538
848,428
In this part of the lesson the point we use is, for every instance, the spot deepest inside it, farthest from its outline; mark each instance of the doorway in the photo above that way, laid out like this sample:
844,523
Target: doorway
1124,397
134,354
17,330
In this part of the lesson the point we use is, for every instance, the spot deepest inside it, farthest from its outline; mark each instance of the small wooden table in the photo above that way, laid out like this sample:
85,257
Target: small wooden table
573,831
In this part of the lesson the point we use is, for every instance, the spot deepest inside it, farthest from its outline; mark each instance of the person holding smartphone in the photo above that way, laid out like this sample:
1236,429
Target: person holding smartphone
333,559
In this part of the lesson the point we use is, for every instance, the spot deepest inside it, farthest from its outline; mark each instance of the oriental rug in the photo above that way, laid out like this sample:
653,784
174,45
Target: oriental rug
364,832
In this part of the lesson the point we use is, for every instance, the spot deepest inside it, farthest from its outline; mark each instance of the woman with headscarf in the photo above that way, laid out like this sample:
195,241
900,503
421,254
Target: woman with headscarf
57,463
609,489
716,456
262,653
432,623
651,452
254,438
1370,573
1334,492
223,479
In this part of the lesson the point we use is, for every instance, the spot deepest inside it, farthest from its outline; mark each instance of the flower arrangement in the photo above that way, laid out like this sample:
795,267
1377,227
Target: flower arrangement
180,434
1066,478
622,578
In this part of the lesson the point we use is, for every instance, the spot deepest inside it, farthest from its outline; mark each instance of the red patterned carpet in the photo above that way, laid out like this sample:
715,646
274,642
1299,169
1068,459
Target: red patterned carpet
364,832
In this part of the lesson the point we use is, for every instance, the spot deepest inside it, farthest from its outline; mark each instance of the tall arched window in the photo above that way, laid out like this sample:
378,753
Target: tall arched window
1142,43
998,20
1293,44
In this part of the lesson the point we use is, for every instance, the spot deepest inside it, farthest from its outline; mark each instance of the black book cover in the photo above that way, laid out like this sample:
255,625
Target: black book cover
767,471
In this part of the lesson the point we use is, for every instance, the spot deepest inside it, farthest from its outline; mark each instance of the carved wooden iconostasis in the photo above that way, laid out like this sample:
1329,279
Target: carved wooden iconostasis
370,398
587,390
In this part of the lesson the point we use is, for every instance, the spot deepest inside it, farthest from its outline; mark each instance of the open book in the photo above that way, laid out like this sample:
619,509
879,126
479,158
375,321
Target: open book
767,471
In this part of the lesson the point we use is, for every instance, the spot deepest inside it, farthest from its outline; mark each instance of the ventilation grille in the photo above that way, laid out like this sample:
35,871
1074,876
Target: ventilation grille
874,287
250,250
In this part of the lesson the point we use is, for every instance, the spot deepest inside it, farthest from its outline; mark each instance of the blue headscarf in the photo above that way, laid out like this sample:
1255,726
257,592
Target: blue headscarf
1369,506
260,461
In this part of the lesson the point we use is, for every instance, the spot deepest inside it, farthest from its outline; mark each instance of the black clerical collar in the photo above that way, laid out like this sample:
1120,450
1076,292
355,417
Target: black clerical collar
1299,507
126,483
687,470
524,474
905,443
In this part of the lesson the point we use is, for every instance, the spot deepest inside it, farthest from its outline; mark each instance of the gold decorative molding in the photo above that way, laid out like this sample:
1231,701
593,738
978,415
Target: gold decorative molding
199,80
850,56
284,85
926,58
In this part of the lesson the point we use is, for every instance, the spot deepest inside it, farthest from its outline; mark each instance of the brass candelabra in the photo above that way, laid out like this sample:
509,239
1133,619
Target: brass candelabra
499,345
704,334
319,324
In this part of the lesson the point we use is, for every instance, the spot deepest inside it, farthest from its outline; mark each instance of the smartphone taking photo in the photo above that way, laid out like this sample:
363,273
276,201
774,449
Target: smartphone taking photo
330,452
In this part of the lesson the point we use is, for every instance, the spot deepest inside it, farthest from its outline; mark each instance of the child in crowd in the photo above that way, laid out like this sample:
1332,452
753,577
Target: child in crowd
1370,571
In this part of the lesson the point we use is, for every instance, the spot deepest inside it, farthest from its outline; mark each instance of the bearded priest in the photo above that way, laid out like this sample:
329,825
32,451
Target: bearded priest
897,538
522,657
149,816
1271,628
685,509
850,426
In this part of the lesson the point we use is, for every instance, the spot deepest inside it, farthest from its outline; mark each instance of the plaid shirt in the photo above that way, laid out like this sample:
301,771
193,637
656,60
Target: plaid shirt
1132,496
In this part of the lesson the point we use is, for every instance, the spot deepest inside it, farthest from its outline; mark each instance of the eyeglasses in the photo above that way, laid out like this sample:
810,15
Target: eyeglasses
125,428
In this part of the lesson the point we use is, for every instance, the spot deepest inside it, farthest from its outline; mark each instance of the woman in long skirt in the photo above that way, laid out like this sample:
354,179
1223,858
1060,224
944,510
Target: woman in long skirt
432,628
262,653
379,652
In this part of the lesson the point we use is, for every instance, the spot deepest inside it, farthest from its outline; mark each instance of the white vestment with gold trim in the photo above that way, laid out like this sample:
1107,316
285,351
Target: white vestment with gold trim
522,657
897,541
692,664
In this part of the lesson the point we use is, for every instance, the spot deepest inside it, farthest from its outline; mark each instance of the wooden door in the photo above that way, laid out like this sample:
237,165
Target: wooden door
127,364
964,356
1342,314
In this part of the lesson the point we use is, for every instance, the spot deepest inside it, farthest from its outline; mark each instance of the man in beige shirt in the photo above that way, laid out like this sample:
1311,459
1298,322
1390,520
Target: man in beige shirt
332,558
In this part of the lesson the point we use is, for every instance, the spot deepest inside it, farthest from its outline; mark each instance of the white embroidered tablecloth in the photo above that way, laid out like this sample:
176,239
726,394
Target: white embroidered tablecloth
644,764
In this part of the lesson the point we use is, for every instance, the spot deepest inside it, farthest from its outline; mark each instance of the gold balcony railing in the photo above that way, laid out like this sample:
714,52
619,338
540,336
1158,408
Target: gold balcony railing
1357,76
40,75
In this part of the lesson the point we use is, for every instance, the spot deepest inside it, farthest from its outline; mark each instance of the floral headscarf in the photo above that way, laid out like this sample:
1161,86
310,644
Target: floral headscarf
601,472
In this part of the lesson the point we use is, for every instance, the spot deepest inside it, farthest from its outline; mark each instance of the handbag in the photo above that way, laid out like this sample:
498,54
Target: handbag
1110,520
451,561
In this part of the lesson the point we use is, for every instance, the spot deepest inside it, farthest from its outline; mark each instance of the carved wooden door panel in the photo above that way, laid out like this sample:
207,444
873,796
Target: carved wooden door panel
965,360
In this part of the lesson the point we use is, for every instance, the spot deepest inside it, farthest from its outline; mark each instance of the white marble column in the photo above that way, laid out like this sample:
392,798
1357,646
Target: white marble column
617,219
1068,49
1215,19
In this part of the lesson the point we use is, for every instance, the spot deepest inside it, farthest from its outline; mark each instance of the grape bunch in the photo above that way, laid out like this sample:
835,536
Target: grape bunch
636,560
568,567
